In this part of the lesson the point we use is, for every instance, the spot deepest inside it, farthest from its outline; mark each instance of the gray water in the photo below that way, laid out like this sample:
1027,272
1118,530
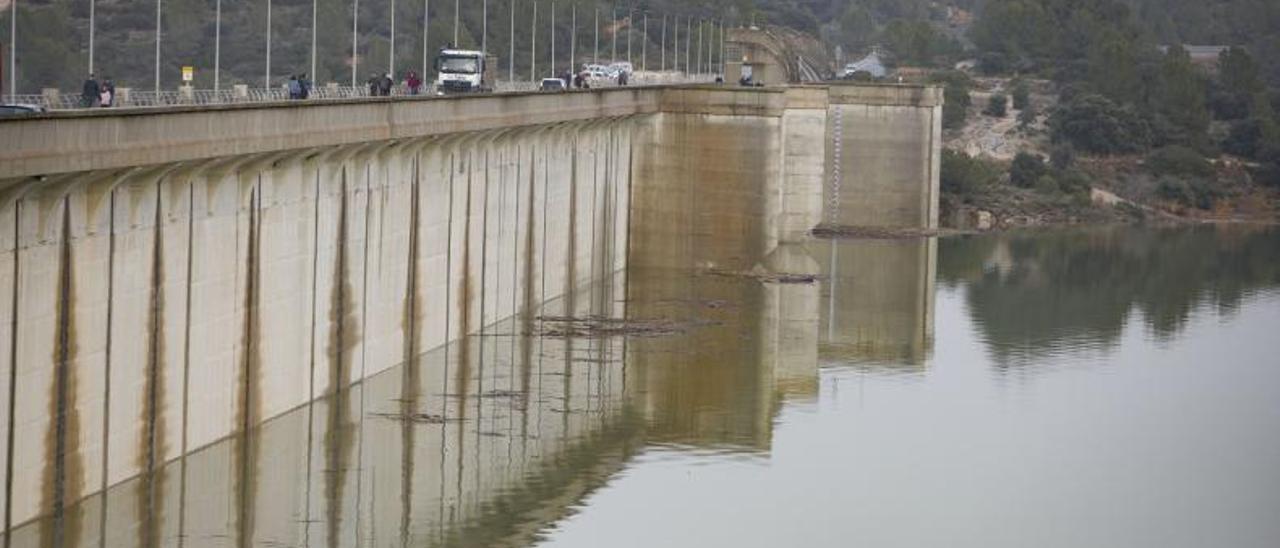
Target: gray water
1110,387
1088,388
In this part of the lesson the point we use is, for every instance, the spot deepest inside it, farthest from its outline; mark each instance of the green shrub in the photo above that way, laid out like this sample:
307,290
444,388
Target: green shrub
955,109
1179,161
1021,93
1027,169
1093,123
1197,193
997,106
964,175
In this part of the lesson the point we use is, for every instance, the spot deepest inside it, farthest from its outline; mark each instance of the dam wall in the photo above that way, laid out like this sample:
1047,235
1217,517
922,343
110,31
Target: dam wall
168,308
172,280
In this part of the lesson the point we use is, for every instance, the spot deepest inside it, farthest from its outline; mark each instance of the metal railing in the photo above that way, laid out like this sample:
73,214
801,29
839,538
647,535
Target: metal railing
55,100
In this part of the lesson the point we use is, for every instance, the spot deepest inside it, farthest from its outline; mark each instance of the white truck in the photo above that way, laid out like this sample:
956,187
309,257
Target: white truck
464,71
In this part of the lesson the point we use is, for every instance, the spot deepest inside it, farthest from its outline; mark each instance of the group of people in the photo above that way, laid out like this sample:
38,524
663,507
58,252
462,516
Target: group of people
299,87
380,85
582,78
95,94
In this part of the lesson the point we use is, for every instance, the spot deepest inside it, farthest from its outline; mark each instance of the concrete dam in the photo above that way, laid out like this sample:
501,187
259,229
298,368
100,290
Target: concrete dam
220,322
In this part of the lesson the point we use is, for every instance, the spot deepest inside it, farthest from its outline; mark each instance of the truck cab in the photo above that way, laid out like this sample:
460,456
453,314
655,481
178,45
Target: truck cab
464,71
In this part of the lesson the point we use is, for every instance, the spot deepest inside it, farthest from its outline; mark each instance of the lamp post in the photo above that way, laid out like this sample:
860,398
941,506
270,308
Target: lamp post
157,86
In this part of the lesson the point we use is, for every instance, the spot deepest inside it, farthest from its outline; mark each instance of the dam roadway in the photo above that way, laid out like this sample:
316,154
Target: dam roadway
179,283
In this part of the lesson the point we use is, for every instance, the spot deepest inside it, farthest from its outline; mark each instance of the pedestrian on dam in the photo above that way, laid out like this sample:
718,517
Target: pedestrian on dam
305,85
90,95
373,84
295,87
413,82
385,85
108,95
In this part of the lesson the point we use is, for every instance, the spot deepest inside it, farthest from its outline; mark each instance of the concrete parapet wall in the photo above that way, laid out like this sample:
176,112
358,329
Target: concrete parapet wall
61,142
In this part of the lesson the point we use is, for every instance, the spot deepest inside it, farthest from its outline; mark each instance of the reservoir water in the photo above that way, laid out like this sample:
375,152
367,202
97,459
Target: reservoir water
1111,387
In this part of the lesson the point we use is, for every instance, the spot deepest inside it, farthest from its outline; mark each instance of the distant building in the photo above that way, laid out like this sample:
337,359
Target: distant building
1205,56
870,64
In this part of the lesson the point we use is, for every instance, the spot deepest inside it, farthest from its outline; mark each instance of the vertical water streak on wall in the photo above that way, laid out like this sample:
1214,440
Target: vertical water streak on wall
524,329
248,404
570,282
152,445
344,330
10,376
64,470
410,365
462,380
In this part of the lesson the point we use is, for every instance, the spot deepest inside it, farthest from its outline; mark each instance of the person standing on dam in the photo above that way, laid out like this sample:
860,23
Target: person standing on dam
89,94
413,83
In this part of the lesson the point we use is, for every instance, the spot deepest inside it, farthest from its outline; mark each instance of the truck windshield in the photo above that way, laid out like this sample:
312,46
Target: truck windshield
459,65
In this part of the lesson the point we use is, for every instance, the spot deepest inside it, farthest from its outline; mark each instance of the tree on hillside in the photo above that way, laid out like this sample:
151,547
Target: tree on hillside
1093,123
1021,93
1027,116
1113,69
1180,97
997,106
1026,169
956,100
1239,72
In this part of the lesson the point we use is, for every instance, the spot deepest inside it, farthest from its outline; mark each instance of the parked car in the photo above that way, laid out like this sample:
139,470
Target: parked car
553,84
16,109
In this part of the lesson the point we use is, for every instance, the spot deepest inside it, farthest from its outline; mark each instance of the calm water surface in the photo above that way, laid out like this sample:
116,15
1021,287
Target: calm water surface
1102,388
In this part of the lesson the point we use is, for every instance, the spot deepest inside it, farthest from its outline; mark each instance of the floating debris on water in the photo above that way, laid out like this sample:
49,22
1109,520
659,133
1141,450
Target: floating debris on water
418,418
602,327
761,275
874,232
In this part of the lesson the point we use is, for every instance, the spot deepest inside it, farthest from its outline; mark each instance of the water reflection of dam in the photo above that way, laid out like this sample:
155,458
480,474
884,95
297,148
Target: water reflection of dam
490,440
878,300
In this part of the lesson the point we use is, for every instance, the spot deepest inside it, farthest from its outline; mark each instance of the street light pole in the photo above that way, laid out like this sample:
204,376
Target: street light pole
533,40
644,45
355,51
595,56
722,65
664,43
426,27
675,44
613,15
688,43
511,44
573,41
698,66
267,81
391,56
13,47
217,44
553,39
157,83
313,39
92,20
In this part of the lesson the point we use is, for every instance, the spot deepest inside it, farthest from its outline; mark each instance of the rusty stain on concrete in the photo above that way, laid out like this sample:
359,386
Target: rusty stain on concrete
409,369
344,333
248,401
152,444
63,477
